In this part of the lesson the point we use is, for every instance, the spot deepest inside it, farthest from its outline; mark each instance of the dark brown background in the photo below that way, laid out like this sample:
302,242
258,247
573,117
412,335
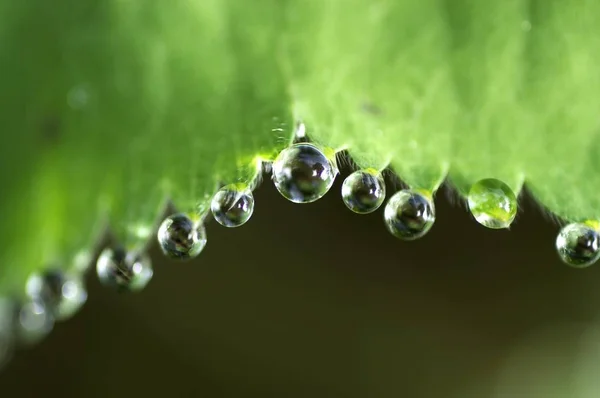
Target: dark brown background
314,301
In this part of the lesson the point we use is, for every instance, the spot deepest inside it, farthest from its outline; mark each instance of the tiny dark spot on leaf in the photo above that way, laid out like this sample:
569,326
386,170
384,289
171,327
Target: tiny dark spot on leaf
50,130
371,109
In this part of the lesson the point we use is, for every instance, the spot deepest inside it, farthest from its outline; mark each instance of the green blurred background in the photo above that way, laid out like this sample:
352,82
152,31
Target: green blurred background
314,301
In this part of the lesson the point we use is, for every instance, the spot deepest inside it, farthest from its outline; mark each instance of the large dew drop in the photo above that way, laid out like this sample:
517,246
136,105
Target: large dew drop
578,245
63,294
363,191
302,173
409,214
34,321
492,203
232,205
124,271
180,237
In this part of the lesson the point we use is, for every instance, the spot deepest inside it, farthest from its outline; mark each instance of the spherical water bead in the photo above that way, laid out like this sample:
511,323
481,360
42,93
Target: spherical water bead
302,173
492,203
181,237
232,205
124,271
363,191
409,214
34,321
63,294
578,245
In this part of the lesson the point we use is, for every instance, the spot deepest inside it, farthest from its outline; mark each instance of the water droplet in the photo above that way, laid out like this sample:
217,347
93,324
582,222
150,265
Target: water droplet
232,205
125,271
363,191
492,203
302,173
63,294
300,133
409,214
34,321
578,245
181,237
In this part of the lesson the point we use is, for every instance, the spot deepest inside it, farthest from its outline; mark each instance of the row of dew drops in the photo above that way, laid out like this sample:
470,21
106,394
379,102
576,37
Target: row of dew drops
302,173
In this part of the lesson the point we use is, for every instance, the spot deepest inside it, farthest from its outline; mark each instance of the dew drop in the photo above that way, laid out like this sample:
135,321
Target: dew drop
302,173
409,214
300,133
363,191
232,205
63,294
180,237
492,203
124,271
578,245
34,321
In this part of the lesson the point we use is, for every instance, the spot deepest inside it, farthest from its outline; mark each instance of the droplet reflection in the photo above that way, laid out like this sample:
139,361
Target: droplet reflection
180,237
302,173
34,321
492,203
124,271
363,191
409,214
62,293
233,205
578,245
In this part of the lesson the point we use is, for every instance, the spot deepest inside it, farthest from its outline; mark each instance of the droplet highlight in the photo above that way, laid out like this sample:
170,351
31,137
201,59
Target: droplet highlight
124,271
409,214
578,245
302,173
492,203
34,321
180,237
363,191
63,294
232,205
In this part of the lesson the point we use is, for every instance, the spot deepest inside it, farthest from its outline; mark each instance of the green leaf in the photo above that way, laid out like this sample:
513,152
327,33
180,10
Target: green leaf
111,108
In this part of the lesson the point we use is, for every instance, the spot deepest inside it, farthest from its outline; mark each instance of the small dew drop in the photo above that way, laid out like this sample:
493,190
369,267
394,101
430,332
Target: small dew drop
578,245
363,191
492,203
526,26
180,237
62,294
232,205
124,271
409,214
302,173
34,321
300,133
